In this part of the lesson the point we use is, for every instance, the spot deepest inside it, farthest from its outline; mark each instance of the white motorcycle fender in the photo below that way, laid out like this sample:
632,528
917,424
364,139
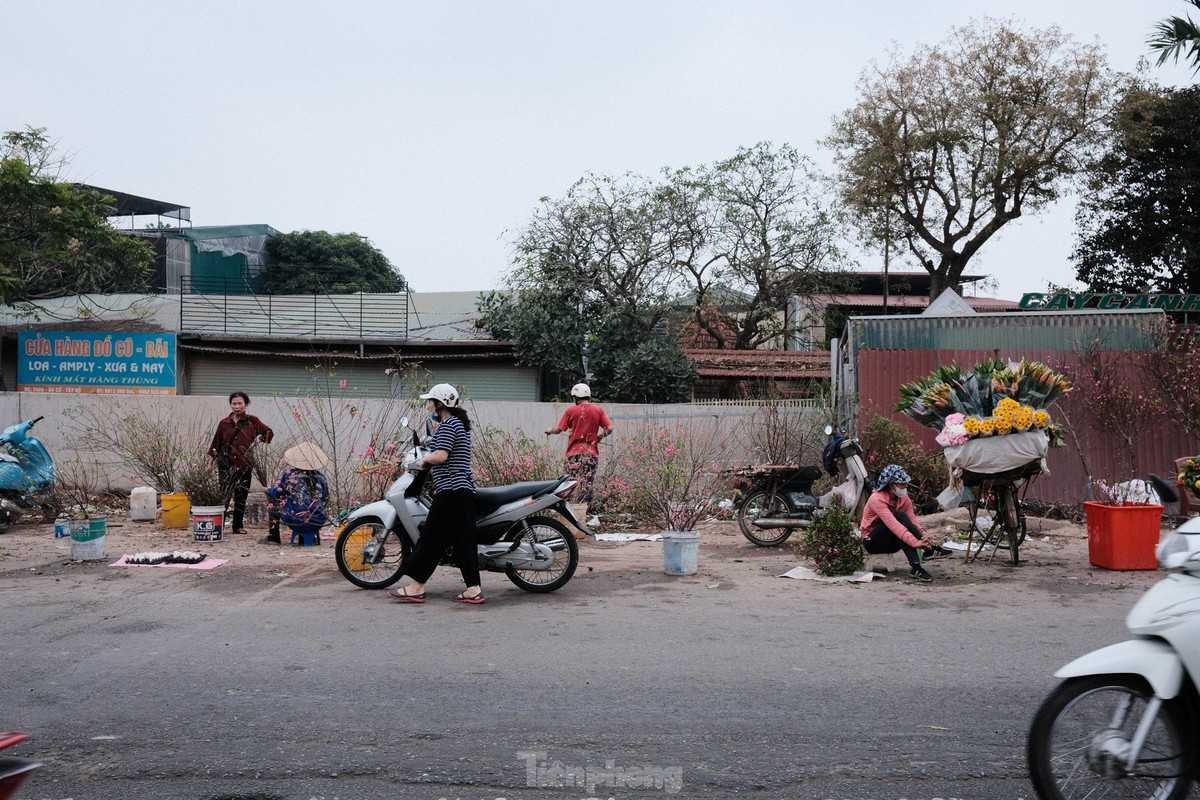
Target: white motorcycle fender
1154,660
380,509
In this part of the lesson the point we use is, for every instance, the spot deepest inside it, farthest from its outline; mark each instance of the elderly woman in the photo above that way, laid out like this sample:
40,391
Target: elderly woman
889,521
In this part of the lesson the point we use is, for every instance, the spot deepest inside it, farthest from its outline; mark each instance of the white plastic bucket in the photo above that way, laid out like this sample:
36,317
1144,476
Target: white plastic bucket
87,538
143,504
681,551
207,522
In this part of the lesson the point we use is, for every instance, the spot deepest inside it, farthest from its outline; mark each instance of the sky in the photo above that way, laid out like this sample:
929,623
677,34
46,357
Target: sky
434,128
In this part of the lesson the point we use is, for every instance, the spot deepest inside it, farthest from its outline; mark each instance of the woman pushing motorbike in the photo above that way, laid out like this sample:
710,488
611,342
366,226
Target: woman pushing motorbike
451,518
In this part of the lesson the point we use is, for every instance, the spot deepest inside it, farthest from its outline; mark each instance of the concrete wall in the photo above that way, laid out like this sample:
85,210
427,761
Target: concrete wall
65,417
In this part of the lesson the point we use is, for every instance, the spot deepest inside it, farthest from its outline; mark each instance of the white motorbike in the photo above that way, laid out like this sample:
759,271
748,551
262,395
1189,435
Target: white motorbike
537,552
1125,721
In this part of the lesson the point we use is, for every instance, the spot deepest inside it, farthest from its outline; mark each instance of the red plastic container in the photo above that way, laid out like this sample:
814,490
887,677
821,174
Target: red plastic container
1123,537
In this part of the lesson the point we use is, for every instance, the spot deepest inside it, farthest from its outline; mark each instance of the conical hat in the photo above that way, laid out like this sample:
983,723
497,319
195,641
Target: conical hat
305,455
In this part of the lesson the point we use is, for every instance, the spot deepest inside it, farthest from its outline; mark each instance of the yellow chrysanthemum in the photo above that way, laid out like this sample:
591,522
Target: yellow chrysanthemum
1007,403
971,424
1003,426
987,426
1041,418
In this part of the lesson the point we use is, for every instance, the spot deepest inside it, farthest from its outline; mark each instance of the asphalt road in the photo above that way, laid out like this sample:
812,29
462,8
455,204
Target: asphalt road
240,684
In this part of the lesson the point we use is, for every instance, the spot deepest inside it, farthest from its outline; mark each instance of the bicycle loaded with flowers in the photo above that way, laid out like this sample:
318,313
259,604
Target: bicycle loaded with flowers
995,430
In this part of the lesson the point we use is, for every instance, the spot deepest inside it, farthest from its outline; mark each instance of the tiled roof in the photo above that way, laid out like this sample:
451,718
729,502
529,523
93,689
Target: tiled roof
760,363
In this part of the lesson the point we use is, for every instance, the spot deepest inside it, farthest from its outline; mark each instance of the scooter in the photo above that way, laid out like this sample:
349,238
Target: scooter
13,771
26,471
1125,721
781,500
537,552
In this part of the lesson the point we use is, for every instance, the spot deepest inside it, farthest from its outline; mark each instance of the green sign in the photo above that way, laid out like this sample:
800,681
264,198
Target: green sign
1065,301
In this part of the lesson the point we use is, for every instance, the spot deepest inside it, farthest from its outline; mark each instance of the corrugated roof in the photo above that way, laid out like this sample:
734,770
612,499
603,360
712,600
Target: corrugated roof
902,301
1065,330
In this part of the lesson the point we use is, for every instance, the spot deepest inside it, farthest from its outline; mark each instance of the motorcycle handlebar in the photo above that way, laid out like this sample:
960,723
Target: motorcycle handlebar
35,421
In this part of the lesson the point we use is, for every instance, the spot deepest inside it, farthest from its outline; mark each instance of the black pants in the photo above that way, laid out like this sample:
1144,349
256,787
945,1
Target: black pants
882,540
451,521
235,482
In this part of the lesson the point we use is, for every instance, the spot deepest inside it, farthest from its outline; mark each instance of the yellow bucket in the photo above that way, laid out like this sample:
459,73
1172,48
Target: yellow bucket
176,510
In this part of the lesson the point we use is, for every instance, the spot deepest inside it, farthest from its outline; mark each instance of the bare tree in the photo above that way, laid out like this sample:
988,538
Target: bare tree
957,140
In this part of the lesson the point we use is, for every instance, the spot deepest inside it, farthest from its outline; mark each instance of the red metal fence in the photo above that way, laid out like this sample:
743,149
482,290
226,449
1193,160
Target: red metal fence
1107,458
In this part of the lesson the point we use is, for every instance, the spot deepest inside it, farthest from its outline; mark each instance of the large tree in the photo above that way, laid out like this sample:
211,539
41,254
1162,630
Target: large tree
55,237
1138,226
593,289
1177,37
613,269
318,262
770,239
955,141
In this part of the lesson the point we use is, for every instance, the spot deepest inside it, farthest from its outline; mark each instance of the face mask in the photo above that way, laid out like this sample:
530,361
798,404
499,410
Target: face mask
902,493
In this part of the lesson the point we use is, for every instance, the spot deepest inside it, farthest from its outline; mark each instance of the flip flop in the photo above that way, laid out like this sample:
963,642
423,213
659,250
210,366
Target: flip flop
402,595
477,600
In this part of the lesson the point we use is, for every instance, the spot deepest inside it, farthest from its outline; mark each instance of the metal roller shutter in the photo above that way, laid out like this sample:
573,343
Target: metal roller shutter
266,376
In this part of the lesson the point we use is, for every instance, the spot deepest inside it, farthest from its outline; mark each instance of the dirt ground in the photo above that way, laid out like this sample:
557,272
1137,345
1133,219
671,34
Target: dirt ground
1053,558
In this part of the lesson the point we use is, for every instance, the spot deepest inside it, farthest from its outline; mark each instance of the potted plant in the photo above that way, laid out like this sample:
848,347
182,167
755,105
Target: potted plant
74,498
832,543
674,475
1124,526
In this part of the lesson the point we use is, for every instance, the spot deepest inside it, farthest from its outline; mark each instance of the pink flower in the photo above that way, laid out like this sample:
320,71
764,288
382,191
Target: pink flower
342,384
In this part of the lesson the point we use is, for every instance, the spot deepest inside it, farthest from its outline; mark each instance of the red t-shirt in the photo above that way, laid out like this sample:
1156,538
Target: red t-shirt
584,421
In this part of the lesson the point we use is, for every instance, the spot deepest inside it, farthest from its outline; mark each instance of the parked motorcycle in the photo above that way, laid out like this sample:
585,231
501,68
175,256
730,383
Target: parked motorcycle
537,552
13,771
1124,721
780,500
26,471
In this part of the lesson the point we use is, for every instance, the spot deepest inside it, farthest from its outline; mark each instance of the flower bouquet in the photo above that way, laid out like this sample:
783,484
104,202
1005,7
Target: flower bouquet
1189,478
994,398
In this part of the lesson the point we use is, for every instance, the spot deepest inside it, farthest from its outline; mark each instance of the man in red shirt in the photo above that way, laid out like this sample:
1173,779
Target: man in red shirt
588,424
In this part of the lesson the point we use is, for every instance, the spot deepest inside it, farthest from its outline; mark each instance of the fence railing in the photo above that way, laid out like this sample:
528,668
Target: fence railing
209,306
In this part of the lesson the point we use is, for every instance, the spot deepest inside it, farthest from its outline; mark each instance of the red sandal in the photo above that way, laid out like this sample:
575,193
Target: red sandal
474,600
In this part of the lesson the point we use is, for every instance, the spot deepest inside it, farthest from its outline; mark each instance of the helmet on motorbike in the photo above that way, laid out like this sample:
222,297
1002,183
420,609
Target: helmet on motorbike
892,473
581,390
444,393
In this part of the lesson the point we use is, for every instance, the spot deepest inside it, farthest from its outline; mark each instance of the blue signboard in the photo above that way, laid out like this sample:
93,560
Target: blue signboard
96,363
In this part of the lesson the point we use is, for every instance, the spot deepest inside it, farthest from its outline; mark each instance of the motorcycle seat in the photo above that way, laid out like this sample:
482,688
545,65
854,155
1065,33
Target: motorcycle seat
492,497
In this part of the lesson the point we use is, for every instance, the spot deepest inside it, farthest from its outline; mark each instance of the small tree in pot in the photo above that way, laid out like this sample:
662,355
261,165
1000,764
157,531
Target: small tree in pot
832,543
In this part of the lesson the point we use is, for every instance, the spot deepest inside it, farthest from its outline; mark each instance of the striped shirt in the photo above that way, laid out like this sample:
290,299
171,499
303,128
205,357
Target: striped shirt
455,472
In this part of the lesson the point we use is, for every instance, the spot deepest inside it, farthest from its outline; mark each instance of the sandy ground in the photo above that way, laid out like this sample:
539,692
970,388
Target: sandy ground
1054,558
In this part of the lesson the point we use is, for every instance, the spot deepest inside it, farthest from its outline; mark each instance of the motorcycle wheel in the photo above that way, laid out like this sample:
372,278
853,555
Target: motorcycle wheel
1083,725
555,535
353,563
761,503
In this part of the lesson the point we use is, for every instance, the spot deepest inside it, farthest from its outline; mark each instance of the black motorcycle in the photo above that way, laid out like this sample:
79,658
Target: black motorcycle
779,499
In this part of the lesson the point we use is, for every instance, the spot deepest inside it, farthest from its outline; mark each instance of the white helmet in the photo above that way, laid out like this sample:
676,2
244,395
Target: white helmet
444,393
581,390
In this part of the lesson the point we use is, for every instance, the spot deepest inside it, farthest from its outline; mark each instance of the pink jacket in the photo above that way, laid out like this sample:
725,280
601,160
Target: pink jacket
883,505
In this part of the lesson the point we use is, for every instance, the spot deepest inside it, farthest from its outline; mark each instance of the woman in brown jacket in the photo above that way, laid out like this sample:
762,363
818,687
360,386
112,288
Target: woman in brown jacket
232,448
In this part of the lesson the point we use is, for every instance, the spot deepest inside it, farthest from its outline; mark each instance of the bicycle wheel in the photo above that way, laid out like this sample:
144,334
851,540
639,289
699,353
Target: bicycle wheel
762,504
369,555
1080,739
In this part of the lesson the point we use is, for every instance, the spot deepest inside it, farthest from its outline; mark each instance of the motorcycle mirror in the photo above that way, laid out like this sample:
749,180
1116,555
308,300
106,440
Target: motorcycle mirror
404,422
828,430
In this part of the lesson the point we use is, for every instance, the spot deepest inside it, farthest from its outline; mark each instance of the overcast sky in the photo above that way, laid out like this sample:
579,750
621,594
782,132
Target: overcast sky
434,128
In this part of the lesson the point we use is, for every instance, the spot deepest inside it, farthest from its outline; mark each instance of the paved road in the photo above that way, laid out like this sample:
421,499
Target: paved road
251,685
